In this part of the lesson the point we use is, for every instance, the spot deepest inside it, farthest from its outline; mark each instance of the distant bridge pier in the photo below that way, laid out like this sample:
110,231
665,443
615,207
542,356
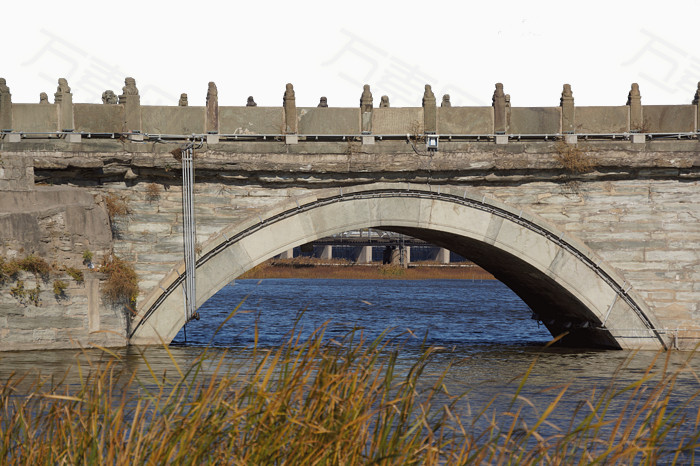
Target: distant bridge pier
395,256
288,254
364,255
327,252
442,255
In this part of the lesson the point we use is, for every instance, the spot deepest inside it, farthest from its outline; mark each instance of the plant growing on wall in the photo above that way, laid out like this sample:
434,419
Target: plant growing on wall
87,257
59,288
36,265
18,292
121,285
75,274
8,269
573,159
153,192
116,205
34,295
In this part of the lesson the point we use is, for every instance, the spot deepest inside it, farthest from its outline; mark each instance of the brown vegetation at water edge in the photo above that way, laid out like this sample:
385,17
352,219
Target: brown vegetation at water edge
304,267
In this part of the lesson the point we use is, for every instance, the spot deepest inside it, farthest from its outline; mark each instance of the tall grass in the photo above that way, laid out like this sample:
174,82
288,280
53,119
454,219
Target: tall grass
326,401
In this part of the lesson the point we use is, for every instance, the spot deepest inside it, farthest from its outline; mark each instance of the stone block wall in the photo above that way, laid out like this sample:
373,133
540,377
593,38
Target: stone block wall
637,208
57,225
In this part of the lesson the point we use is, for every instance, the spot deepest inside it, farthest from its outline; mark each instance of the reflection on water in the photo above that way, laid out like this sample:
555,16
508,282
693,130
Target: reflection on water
451,312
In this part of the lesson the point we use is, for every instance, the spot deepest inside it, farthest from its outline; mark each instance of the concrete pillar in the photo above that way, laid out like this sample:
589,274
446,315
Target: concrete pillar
131,100
567,110
634,101
5,106
443,256
288,254
366,108
406,255
499,110
64,100
429,111
395,256
212,110
327,252
365,255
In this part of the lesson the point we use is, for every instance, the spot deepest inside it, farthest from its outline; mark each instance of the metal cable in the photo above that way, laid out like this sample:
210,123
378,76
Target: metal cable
188,231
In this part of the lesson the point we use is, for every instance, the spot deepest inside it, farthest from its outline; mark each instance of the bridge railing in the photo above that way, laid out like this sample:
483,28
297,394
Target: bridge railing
124,116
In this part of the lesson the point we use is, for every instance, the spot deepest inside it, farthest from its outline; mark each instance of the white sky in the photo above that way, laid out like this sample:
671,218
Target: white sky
331,48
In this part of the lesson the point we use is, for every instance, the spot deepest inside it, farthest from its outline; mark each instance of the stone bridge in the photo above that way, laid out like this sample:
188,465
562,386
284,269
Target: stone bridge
590,214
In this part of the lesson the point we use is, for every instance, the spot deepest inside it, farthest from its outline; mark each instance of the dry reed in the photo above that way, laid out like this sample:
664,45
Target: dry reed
323,401
338,269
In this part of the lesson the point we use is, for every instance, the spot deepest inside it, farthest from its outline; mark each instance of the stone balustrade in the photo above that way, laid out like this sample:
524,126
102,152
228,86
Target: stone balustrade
126,116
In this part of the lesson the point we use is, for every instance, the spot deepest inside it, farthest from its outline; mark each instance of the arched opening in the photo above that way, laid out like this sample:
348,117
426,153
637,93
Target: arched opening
560,279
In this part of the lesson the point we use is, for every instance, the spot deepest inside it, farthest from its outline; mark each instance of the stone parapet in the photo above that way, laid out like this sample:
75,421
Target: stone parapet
127,115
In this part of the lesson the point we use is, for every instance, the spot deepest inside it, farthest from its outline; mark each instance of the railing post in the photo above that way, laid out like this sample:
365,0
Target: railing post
634,101
498,101
212,111
366,109
64,100
131,100
696,102
5,106
567,110
429,111
568,115
290,115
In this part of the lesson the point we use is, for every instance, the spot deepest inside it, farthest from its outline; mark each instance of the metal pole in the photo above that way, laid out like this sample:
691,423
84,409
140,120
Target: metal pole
188,231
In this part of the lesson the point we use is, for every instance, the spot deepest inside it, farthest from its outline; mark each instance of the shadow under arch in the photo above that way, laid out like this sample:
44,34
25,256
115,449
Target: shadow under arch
569,287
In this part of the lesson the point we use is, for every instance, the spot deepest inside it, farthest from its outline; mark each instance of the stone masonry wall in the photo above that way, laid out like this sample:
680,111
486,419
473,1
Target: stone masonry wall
637,206
57,225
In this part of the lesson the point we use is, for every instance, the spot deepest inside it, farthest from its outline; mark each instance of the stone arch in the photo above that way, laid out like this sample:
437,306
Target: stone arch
563,281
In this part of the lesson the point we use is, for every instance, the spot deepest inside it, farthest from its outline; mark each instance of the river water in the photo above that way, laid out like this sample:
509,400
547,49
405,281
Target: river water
482,329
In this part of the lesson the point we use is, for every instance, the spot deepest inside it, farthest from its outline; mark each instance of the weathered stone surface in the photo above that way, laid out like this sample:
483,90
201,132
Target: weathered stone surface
251,120
173,120
37,118
602,120
465,120
633,210
532,120
395,120
328,120
668,118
